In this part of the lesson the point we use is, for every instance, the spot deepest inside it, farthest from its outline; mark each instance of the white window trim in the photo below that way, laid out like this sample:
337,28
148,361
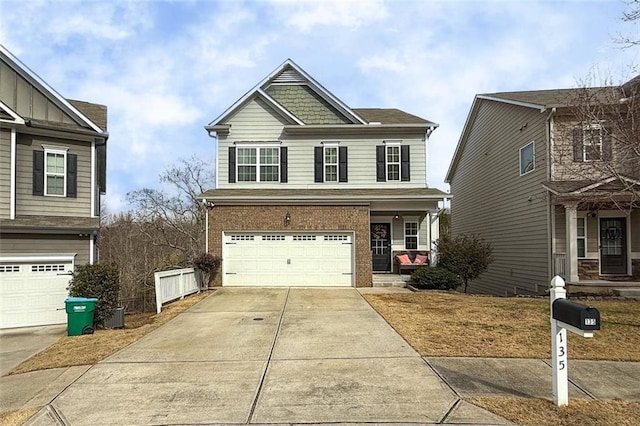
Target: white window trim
533,145
257,163
387,163
56,151
334,145
584,237
588,128
417,235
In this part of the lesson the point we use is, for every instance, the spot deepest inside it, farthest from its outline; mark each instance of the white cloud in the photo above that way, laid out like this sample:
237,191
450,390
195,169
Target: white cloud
306,16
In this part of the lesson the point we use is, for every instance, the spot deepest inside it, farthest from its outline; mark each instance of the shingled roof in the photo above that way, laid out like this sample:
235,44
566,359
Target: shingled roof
560,97
389,116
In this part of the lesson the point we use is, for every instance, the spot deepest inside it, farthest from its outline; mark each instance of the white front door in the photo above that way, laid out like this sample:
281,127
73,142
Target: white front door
33,292
288,259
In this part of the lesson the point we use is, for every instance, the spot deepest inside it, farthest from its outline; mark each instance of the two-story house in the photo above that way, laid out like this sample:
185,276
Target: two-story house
311,192
52,172
547,178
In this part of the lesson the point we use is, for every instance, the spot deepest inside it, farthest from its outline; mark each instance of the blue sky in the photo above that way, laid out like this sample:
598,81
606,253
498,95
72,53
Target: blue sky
167,68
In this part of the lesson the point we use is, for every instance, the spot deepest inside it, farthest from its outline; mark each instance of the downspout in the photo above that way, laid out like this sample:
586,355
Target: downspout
550,207
214,135
426,156
12,179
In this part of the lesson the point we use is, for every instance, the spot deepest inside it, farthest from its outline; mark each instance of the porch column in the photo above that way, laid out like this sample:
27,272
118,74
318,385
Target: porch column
434,235
571,266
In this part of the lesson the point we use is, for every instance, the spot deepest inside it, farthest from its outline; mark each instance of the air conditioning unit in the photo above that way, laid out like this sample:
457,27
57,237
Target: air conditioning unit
116,320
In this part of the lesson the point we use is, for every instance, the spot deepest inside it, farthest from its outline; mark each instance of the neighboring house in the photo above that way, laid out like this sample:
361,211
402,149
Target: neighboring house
311,192
547,179
52,172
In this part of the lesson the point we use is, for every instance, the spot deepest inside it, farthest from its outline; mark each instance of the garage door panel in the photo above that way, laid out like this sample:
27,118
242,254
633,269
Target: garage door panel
294,259
33,296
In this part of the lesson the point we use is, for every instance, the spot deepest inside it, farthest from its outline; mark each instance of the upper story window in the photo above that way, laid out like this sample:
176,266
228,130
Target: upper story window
527,158
330,163
392,162
55,172
591,143
257,164
411,235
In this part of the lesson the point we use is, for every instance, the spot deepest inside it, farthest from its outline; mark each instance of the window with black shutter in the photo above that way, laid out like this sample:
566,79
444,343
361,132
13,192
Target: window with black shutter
393,163
55,173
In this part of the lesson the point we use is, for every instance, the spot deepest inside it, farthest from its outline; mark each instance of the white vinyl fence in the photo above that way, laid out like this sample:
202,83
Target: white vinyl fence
175,284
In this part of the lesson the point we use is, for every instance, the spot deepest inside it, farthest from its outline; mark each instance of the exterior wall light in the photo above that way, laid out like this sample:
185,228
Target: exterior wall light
287,219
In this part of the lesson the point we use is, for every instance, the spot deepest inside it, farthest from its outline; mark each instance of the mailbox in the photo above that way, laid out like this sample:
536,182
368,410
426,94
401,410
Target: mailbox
580,316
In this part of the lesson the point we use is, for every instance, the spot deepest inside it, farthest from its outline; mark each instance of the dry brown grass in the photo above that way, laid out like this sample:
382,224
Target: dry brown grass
455,324
92,348
540,412
17,417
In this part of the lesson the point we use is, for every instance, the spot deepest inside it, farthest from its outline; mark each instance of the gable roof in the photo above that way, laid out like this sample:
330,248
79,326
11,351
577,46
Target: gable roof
66,106
289,75
288,72
541,100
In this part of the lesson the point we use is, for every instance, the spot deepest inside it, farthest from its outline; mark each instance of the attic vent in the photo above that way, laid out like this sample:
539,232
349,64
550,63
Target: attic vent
288,76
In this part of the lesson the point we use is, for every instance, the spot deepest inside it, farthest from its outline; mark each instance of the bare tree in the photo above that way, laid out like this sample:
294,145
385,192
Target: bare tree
597,139
631,14
173,217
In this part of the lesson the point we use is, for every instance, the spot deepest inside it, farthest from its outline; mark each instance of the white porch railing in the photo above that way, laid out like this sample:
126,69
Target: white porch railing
175,284
559,262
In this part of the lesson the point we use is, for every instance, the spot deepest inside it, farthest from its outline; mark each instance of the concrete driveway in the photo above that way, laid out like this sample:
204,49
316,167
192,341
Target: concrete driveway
265,356
19,344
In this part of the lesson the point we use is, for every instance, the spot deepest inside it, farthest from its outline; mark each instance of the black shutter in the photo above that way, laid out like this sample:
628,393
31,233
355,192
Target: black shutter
342,168
606,144
318,164
38,172
577,145
381,172
405,172
283,164
72,175
232,164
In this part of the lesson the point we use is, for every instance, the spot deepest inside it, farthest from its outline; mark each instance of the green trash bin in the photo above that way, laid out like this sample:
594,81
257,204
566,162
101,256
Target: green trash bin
80,315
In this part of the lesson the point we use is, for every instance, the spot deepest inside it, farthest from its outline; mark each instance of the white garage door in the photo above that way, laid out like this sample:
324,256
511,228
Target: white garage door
32,293
288,259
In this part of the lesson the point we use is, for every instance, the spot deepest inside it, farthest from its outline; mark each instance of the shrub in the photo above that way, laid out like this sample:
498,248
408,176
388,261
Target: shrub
434,278
207,264
100,281
466,255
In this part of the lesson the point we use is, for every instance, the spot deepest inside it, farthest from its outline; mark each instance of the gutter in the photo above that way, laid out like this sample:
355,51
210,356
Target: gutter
30,123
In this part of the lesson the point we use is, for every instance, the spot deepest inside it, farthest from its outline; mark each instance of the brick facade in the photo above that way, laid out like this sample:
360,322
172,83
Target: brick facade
303,218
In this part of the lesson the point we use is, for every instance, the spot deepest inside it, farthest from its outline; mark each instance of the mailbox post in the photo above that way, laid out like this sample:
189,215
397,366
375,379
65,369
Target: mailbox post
566,315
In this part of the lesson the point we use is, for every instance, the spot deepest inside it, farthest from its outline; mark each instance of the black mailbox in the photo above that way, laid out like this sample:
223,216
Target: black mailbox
580,316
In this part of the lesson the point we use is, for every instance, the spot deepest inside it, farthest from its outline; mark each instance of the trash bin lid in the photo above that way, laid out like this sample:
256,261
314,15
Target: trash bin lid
80,299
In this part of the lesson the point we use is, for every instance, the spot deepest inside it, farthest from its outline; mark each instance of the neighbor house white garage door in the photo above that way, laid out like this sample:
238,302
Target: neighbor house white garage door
288,259
33,292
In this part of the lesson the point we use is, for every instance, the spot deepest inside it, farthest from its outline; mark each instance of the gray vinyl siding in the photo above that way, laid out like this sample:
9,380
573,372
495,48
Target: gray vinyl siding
257,122
491,199
28,204
5,173
26,100
43,244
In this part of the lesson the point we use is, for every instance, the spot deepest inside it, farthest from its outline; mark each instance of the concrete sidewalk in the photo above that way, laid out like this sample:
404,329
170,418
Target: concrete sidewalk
290,356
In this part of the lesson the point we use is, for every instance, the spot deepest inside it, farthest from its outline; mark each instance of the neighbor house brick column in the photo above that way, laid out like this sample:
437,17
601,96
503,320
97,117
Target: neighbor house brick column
571,266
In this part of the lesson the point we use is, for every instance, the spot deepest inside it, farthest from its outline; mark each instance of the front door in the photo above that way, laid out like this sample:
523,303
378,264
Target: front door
613,245
381,247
